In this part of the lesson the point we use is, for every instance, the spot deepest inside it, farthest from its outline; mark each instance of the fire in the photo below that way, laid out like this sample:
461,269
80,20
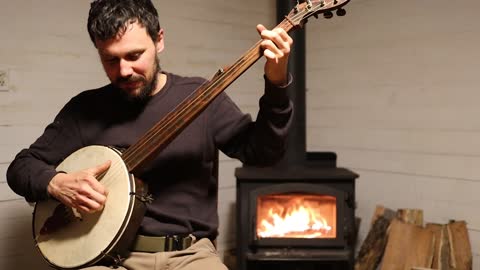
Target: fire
296,216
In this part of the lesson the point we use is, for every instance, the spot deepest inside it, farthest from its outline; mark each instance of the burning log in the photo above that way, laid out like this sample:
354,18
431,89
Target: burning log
296,216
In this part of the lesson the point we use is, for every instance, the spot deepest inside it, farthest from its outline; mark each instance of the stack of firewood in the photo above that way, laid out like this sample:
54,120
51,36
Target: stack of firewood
398,240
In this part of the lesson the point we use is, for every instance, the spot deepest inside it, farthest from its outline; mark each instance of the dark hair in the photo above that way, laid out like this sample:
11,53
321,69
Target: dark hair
107,18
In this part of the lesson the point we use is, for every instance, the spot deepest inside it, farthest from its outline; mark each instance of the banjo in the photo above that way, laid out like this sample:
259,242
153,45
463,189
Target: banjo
67,240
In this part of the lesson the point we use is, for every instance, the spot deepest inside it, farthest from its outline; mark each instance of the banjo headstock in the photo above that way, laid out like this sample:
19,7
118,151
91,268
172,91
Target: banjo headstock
302,12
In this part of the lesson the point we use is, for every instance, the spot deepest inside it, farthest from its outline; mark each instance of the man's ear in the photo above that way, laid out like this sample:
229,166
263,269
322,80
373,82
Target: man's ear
160,44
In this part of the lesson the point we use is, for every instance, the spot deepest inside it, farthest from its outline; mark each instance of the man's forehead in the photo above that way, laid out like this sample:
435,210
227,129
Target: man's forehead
129,28
133,38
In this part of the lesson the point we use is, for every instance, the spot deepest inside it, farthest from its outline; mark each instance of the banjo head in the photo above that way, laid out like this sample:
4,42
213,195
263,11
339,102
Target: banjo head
83,242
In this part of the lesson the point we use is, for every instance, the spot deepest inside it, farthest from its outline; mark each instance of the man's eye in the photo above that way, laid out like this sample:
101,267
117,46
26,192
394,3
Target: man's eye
134,56
110,60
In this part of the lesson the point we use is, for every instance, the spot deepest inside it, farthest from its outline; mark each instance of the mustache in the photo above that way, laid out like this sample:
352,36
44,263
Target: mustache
130,79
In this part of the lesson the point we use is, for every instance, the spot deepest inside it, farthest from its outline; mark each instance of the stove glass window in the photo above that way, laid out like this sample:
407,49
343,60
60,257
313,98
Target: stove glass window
295,215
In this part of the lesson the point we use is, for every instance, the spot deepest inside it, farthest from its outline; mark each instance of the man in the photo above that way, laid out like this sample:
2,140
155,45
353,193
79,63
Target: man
128,38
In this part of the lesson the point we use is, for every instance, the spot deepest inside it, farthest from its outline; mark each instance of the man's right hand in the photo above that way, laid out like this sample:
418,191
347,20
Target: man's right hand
80,190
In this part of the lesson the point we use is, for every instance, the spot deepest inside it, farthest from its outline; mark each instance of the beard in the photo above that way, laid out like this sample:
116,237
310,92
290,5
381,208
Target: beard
145,92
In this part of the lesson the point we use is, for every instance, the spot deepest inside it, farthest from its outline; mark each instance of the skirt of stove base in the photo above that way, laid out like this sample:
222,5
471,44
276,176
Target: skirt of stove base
300,259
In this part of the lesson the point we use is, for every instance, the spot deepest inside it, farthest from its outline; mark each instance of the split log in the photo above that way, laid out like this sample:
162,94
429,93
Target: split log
408,246
405,245
441,258
373,246
460,248
381,211
412,216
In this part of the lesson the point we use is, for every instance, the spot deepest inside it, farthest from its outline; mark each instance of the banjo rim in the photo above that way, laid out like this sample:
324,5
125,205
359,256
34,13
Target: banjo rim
115,247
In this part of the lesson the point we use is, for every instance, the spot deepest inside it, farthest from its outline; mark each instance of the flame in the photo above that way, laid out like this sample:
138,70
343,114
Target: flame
296,218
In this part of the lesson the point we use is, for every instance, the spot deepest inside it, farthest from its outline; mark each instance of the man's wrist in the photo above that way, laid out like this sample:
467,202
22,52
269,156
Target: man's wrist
50,192
275,95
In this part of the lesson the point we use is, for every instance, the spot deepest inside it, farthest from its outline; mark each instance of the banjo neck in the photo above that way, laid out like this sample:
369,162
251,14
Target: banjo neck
161,134
137,156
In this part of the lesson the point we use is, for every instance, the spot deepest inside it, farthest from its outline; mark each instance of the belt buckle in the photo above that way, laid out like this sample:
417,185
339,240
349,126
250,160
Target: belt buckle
175,242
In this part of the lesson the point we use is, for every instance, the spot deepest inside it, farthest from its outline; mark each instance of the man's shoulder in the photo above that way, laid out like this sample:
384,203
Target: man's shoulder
186,80
91,98
94,94
95,91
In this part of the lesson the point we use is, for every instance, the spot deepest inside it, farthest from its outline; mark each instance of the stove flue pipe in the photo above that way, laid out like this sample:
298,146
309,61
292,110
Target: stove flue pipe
296,152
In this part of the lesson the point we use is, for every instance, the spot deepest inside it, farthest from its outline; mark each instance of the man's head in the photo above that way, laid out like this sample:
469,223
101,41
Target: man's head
128,37
108,18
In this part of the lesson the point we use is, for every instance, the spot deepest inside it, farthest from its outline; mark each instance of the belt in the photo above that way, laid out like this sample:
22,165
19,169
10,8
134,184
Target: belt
145,243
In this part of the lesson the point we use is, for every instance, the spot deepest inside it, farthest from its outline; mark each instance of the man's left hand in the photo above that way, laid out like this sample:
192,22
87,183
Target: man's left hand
276,49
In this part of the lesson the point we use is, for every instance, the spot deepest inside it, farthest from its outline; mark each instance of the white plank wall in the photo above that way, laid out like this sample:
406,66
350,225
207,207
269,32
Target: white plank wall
393,89
45,49
49,57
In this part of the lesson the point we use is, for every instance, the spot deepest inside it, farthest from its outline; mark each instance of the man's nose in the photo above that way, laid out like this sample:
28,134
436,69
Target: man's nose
125,68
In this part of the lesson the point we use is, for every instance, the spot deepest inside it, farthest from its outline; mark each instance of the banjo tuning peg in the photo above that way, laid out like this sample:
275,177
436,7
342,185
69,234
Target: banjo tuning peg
328,14
341,12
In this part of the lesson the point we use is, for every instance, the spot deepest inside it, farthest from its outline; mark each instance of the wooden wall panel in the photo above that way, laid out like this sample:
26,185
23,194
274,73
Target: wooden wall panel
17,248
393,90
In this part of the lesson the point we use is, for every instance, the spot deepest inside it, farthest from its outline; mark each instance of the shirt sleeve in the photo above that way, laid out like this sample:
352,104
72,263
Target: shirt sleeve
261,142
32,169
